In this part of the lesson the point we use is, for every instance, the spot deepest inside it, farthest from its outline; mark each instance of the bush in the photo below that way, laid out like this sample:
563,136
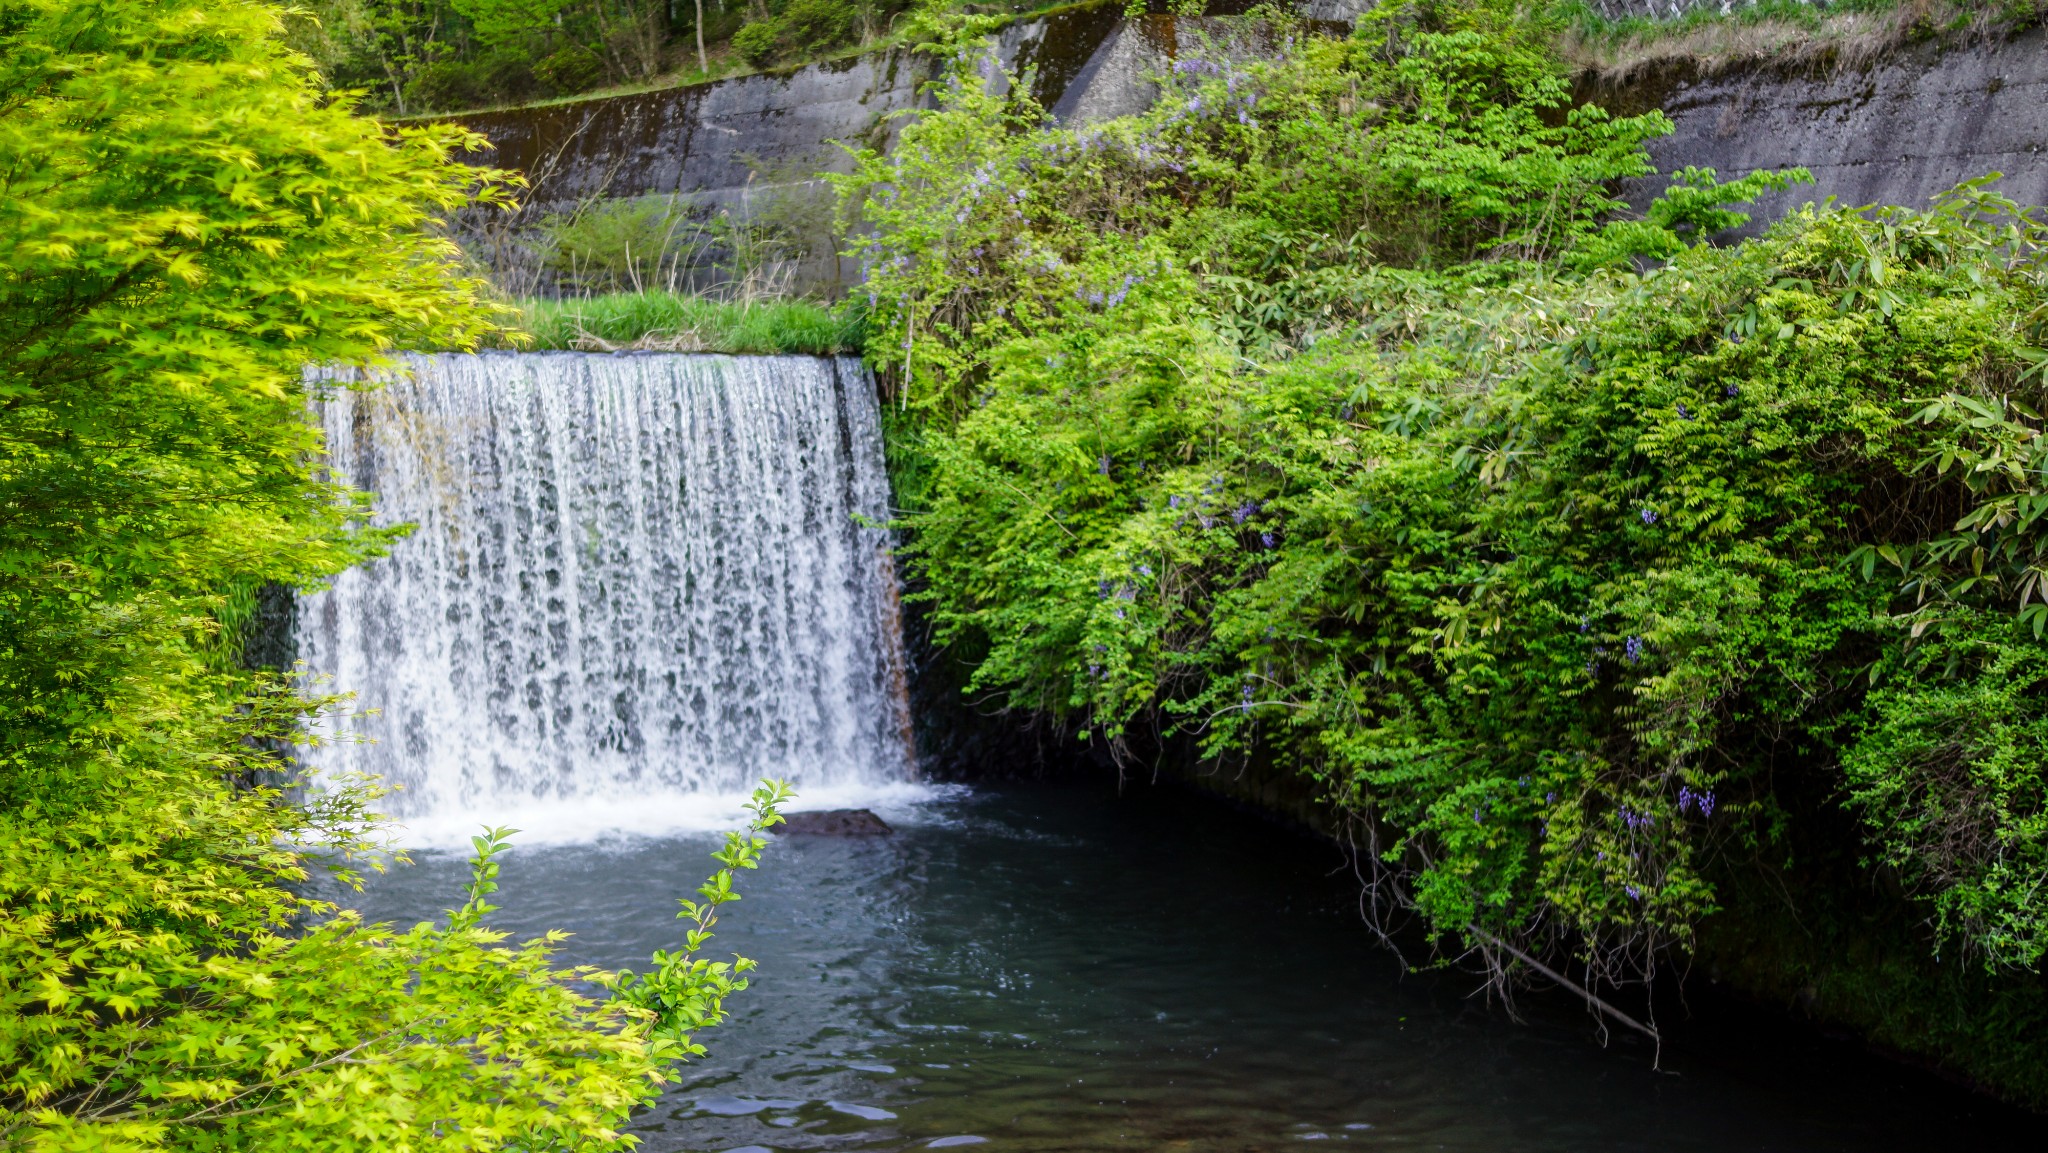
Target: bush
1320,414
568,70
446,84
757,42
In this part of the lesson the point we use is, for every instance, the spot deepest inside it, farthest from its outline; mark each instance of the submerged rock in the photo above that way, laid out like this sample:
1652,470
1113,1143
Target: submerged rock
834,823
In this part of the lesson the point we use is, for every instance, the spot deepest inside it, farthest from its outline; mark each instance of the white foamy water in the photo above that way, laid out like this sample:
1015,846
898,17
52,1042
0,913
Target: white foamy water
638,585
587,819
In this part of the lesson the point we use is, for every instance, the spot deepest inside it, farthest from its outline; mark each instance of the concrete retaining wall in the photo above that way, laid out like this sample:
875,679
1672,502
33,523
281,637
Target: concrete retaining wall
1898,131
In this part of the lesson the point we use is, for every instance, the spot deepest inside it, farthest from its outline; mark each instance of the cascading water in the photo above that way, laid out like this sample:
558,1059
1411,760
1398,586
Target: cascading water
636,579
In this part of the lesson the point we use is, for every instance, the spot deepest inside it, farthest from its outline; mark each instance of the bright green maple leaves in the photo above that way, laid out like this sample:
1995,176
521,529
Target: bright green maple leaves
187,221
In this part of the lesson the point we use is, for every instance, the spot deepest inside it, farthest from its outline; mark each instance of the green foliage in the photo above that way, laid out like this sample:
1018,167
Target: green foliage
417,56
756,42
682,323
634,243
811,26
685,993
1948,771
353,1036
1693,208
498,22
1270,170
186,223
1480,144
424,56
1323,414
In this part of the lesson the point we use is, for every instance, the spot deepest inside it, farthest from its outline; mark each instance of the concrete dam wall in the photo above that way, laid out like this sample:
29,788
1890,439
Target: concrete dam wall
1900,130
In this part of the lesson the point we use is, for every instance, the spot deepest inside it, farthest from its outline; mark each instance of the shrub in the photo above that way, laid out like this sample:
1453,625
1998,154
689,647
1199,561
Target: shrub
811,26
446,84
1321,414
757,42
567,70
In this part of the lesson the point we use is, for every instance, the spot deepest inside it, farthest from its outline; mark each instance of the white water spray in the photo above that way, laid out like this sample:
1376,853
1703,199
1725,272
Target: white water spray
638,584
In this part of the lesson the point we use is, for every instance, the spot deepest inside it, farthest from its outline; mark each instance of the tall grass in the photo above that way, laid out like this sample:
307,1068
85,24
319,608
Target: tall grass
1798,33
671,322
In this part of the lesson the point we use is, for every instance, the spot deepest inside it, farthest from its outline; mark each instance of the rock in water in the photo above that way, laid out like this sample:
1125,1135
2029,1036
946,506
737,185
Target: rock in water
834,823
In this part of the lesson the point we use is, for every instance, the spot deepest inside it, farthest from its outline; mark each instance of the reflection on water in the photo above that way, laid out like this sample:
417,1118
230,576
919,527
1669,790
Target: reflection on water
1059,969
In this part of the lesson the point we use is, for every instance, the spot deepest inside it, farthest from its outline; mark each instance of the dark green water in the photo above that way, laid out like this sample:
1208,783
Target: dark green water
1055,968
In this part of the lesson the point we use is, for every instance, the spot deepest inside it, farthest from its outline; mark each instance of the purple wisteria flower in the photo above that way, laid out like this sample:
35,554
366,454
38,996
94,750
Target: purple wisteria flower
1632,649
1102,466
1244,511
1682,413
1649,515
1702,800
1732,391
1266,539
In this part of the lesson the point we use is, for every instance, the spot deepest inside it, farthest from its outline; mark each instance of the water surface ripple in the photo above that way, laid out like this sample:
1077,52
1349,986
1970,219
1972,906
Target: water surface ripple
1056,968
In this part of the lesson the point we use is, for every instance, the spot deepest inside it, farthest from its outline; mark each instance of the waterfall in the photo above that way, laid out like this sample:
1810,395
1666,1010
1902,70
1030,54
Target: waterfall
635,579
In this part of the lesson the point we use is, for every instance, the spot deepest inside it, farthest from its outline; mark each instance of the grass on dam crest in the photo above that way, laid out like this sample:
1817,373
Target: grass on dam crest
671,322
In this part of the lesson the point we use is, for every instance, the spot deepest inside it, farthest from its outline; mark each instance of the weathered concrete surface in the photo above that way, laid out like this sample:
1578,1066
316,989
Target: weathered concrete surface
704,137
745,143
714,140
1899,131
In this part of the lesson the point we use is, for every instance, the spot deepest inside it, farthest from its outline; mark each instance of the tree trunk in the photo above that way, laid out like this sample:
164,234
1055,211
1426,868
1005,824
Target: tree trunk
701,65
